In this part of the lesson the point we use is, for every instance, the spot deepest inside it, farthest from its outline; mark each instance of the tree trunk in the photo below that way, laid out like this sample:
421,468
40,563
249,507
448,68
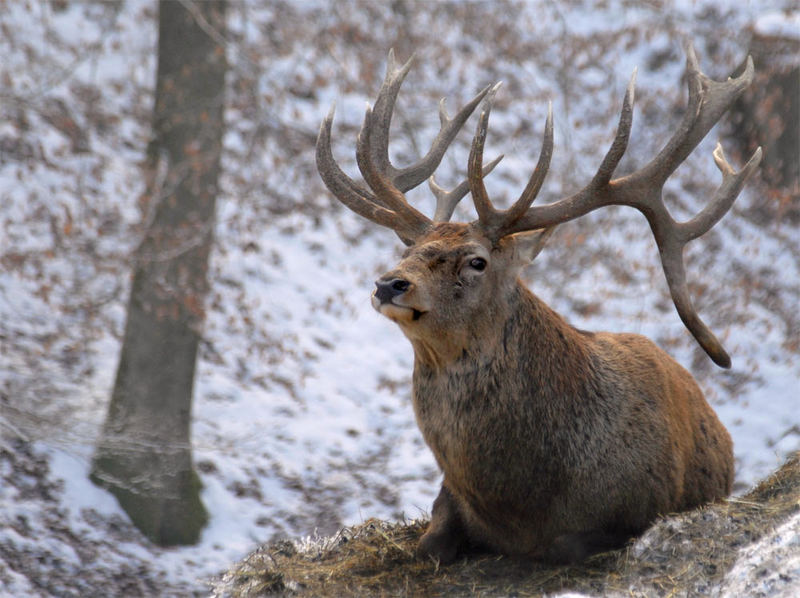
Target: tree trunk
144,454
768,114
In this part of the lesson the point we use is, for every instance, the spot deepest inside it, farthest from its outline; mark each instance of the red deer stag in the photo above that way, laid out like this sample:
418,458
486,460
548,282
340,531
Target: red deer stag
554,442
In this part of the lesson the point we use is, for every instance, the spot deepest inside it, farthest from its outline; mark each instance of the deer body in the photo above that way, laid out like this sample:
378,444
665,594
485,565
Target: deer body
543,430
553,442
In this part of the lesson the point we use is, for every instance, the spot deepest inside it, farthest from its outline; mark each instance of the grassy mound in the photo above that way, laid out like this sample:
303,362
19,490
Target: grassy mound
687,554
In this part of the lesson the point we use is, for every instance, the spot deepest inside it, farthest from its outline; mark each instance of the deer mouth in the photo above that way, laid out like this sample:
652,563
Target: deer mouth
401,314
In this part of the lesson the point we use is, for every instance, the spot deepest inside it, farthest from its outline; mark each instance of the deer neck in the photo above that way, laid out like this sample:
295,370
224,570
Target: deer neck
445,348
519,328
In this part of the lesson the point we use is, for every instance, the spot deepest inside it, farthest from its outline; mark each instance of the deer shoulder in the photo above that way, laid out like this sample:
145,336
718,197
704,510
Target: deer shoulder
553,442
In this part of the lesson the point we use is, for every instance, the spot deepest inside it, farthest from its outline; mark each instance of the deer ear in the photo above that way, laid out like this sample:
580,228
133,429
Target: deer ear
528,244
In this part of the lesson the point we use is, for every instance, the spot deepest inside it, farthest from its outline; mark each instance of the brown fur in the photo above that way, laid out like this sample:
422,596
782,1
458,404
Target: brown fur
553,442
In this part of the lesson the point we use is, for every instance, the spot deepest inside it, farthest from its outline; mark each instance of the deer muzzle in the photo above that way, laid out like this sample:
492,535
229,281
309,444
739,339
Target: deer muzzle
388,299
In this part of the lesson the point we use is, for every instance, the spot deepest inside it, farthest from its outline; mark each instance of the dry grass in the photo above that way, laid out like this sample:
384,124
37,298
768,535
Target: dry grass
682,554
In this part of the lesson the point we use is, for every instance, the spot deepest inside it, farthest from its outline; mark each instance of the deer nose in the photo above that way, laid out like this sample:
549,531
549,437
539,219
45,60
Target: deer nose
386,290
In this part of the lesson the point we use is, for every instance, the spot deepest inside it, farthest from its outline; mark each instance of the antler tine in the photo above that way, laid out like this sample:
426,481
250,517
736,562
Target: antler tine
411,176
675,273
672,237
414,174
383,110
732,183
488,216
497,223
407,219
446,201
620,143
596,193
708,100
520,207
346,190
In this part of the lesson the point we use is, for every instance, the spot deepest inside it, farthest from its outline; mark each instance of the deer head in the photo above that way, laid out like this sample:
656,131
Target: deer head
452,272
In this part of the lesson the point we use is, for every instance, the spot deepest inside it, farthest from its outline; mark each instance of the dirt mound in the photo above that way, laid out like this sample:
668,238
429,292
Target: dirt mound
746,545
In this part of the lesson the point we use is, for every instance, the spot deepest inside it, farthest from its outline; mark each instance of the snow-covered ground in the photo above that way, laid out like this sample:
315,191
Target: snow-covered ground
764,567
302,420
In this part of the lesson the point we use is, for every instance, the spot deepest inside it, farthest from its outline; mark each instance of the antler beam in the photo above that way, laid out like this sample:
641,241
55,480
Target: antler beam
643,189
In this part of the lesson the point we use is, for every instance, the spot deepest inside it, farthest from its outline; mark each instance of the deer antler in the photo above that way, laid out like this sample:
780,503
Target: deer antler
708,100
385,203
446,201
495,223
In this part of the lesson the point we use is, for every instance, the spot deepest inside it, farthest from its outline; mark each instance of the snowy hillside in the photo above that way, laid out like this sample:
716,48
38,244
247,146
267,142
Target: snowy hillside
302,418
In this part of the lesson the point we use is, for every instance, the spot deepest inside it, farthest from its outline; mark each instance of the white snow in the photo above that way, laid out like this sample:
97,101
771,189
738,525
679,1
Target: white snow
779,24
302,417
769,567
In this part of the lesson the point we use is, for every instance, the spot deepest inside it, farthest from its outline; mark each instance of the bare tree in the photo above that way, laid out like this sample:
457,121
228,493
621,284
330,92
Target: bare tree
144,455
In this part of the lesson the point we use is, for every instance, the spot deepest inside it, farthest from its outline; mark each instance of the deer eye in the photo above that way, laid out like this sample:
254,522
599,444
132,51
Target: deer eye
477,263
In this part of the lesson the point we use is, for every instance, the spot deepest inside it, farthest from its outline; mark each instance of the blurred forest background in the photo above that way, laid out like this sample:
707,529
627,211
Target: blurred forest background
295,417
